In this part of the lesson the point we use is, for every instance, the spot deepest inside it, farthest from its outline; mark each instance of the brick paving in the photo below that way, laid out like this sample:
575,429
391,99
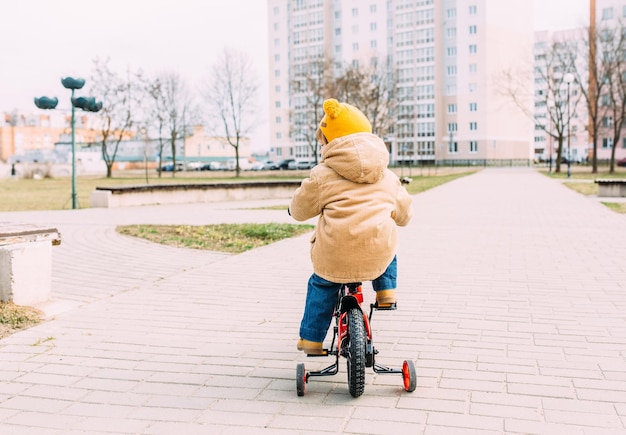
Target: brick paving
512,303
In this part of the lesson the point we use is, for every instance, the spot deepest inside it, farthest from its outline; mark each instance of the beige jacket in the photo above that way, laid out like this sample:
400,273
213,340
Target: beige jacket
360,202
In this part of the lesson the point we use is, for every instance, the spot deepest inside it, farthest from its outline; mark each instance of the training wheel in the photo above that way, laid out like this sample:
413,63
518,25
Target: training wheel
301,379
409,378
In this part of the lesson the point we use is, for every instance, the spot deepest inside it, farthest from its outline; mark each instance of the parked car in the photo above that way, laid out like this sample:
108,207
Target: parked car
269,165
622,162
194,166
211,166
304,164
284,164
169,167
257,166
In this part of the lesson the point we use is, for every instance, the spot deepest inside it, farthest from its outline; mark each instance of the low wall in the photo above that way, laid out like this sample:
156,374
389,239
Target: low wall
126,196
26,262
611,188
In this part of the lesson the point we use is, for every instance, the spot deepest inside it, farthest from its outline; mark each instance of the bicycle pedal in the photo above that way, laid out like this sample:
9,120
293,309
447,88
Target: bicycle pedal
386,307
325,352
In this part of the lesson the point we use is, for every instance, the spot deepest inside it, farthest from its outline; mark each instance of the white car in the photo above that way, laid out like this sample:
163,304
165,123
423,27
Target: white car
304,164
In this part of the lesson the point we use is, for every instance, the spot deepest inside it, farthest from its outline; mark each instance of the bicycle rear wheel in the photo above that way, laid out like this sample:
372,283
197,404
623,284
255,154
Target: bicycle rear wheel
356,352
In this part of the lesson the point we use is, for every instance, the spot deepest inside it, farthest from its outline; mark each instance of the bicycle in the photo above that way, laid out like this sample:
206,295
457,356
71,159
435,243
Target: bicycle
352,339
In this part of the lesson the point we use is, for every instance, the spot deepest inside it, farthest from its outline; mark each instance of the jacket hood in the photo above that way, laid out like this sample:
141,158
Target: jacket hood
359,157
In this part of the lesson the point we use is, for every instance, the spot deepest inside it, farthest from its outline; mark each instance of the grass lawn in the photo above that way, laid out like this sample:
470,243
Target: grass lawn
15,317
232,238
236,238
56,193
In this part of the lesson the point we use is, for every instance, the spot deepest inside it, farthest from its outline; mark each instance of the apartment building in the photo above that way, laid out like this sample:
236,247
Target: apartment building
22,134
448,56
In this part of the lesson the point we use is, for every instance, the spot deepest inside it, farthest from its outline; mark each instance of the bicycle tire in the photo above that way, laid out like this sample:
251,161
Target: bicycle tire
356,352
300,379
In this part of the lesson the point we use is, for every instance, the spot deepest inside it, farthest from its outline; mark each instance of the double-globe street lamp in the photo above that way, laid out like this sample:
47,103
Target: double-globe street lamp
88,104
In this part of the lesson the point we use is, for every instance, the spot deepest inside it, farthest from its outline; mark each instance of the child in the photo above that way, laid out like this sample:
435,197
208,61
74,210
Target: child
360,202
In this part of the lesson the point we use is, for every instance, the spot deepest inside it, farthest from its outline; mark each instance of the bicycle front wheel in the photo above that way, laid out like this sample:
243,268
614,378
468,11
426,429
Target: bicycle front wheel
356,352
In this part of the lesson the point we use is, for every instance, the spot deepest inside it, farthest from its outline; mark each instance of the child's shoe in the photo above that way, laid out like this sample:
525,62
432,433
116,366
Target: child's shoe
386,297
310,347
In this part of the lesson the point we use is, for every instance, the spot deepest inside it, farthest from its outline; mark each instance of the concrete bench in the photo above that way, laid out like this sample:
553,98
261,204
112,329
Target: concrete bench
149,194
611,188
26,262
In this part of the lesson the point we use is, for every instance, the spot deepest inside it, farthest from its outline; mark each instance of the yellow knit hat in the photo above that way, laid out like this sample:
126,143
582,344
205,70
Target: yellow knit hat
342,119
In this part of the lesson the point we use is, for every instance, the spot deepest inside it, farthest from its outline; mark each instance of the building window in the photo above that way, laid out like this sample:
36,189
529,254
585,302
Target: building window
473,126
473,146
373,27
472,10
277,104
451,32
473,49
451,127
607,13
606,100
607,142
453,147
451,108
451,13
355,46
338,31
473,87
355,12
373,8
624,143
373,43
472,29
452,70
473,107
473,67
451,51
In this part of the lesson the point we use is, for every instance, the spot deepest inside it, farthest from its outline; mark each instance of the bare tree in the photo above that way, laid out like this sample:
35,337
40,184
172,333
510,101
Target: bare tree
613,100
590,77
117,116
170,104
373,91
231,95
310,87
155,116
550,93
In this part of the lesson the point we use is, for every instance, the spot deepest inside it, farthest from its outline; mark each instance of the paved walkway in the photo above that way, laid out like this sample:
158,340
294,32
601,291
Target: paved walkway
512,304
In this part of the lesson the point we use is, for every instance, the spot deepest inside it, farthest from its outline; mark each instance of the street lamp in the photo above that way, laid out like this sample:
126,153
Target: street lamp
568,78
88,104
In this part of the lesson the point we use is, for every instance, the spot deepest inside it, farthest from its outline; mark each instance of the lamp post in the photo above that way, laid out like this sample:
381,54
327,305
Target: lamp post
87,104
568,78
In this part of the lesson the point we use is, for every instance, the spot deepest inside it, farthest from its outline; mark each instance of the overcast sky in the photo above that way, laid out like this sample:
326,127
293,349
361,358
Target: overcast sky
44,40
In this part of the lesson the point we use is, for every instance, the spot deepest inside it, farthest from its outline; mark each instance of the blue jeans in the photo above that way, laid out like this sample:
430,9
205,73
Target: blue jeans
321,297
